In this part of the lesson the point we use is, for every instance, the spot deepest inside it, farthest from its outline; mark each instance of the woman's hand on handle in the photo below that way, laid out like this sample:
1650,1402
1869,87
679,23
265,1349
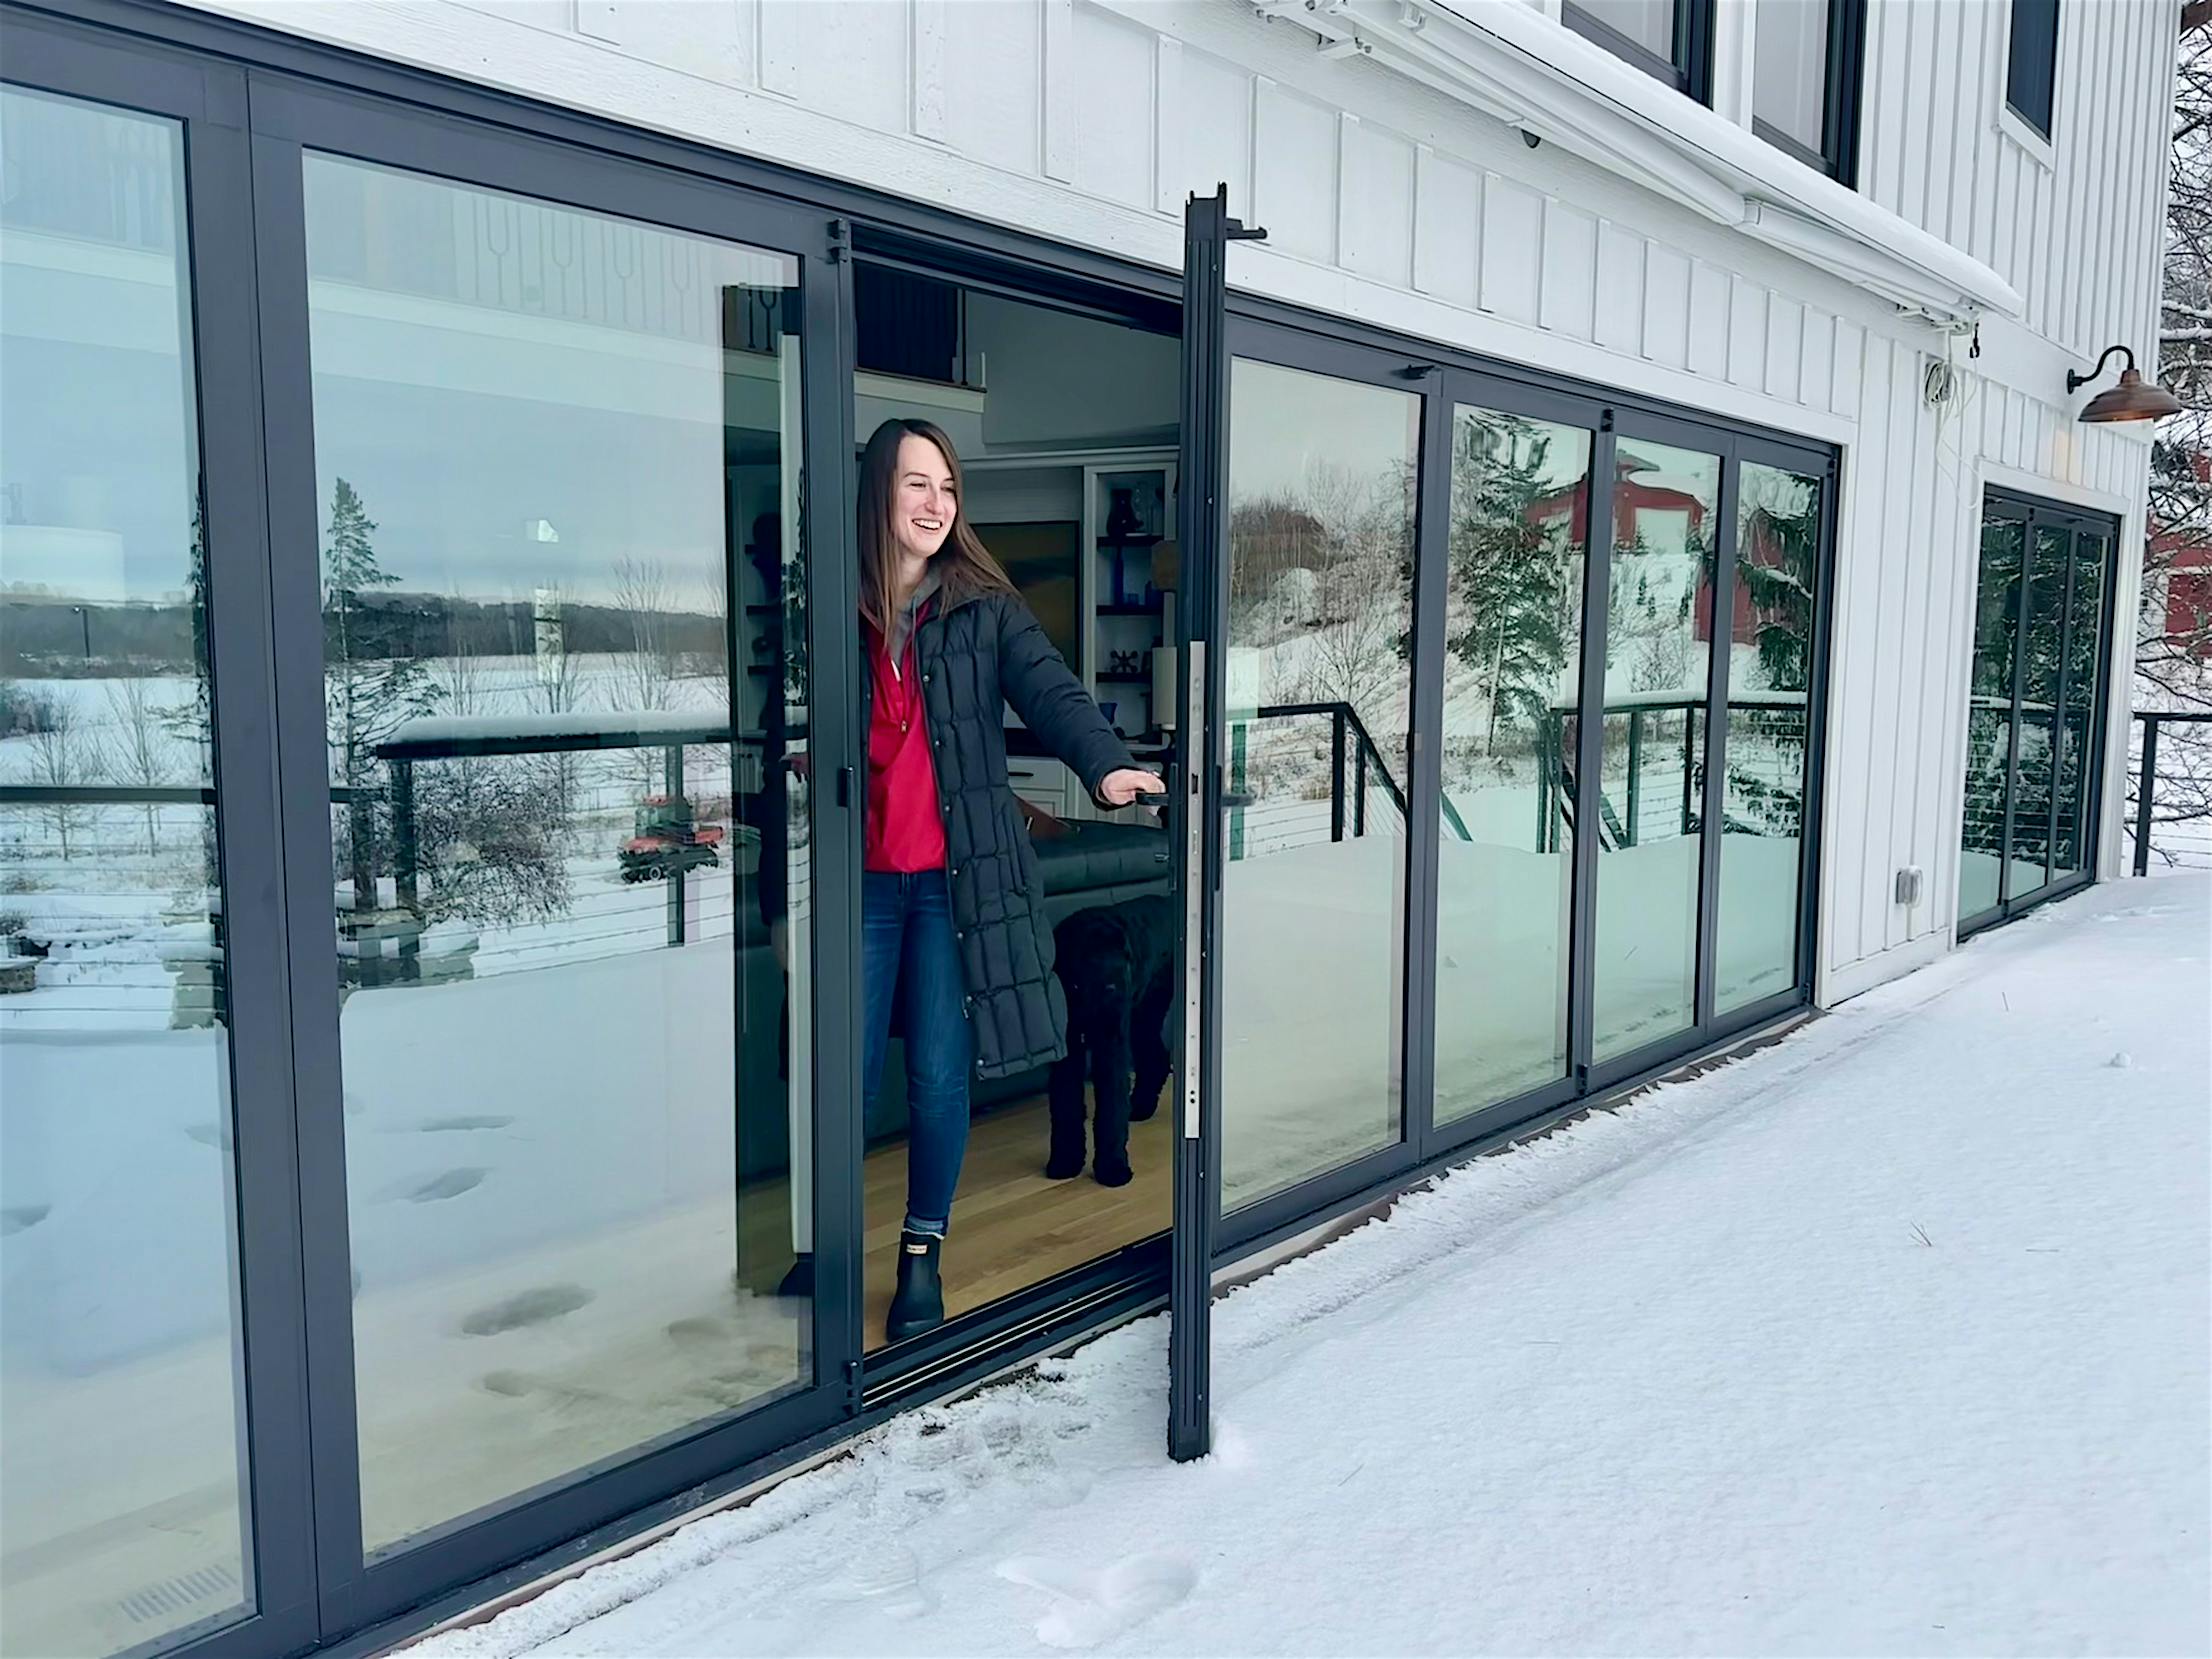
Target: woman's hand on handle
1122,787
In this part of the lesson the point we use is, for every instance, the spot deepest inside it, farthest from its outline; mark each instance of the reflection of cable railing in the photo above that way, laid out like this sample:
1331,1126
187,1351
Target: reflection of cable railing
1259,823
126,940
670,844
1625,824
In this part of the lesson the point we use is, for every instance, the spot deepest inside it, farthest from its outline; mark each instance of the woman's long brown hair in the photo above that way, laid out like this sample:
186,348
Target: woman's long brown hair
964,566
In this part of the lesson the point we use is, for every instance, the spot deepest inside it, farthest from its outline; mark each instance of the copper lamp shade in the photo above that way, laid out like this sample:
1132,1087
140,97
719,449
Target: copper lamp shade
2130,400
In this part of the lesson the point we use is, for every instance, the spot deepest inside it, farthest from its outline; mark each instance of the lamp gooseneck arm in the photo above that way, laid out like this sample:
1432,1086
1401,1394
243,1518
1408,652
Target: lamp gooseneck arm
2075,382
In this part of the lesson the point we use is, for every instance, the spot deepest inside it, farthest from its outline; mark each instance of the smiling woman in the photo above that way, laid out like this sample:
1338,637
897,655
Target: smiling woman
956,941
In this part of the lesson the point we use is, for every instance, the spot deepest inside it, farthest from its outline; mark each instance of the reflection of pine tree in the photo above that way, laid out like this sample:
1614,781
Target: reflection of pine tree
370,689
1512,569
1778,549
191,723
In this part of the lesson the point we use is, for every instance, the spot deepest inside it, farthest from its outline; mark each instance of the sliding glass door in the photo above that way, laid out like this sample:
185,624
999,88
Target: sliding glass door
2035,715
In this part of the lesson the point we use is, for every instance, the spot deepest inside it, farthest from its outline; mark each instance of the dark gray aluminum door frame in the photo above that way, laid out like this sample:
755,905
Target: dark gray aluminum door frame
1202,524
2080,525
209,99
291,116
1336,356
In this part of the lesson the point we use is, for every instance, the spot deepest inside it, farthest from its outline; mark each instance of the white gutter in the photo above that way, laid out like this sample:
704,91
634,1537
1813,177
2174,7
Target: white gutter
1512,62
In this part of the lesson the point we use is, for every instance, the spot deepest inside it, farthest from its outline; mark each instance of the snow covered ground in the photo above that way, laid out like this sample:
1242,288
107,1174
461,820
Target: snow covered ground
1890,1339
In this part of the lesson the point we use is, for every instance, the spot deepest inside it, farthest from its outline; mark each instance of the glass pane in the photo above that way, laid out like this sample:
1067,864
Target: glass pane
1513,631
122,1491
565,676
2031,812
1770,665
1658,633
1649,23
1789,87
2031,72
1989,717
2080,706
1322,477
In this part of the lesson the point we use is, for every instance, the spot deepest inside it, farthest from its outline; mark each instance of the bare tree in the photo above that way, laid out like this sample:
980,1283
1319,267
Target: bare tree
2173,662
558,685
141,755
645,675
66,757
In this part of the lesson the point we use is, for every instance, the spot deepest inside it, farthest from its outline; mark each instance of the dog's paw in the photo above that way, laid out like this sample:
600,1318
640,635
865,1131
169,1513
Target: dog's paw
1113,1175
1064,1167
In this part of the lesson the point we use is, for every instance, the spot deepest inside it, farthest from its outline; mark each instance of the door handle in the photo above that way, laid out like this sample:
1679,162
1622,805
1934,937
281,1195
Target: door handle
1234,799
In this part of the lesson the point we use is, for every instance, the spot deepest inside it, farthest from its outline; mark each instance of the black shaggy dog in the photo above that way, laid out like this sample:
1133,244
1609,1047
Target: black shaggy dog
1117,964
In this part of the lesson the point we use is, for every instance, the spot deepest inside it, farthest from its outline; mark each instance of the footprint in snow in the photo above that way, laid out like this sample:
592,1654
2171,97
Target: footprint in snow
892,1580
461,1125
529,1307
439,1188
1090,1607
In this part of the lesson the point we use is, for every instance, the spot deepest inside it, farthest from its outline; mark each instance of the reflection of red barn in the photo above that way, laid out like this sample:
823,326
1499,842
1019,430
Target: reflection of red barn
1630,498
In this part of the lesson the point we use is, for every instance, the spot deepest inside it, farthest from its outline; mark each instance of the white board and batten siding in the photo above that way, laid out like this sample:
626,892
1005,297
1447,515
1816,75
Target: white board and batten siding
1090,121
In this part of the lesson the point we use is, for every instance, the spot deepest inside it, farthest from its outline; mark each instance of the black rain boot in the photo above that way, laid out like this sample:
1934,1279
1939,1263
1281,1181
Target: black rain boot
799,1282
918,1304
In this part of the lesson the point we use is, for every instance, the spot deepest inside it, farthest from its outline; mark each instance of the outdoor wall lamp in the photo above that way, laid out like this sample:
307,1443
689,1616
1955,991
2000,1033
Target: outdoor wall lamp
2130,400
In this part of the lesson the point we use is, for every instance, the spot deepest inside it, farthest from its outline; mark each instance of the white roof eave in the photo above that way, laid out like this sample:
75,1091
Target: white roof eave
1519,66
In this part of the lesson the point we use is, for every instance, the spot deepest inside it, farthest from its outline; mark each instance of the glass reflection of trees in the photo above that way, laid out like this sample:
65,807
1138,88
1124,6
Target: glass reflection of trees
1513,621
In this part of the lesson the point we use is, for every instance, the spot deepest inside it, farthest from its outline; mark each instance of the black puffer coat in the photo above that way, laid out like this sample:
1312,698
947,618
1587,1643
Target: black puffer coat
979,657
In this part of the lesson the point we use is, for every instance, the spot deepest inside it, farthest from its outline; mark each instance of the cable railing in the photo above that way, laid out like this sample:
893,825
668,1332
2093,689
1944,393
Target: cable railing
2188,837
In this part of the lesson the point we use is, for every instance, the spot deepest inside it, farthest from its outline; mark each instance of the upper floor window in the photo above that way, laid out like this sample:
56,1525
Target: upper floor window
1671,39
2031,66
1805,66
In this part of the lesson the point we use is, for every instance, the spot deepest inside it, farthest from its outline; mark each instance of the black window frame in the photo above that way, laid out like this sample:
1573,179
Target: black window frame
2079,524
2031,49
1842,89
1690,69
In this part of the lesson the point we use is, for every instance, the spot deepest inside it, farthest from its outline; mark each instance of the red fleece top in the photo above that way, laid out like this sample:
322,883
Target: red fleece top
906,830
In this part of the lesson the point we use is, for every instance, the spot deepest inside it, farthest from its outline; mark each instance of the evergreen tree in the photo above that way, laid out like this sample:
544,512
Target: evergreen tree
1513,600
370,689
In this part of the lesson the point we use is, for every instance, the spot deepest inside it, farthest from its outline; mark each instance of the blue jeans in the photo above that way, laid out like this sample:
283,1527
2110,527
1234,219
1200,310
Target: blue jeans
910,964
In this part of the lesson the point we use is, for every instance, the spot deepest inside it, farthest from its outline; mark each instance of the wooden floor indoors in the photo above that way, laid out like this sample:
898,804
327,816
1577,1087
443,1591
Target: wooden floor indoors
1010,1225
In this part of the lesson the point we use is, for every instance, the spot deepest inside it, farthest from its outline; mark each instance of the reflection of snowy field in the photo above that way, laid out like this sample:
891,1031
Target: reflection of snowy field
540,1177
1311,973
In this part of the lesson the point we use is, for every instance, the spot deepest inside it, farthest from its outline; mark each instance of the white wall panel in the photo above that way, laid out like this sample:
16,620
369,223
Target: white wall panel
1512,248
1294,156
1785,348
1114,89
1709,320
1817,382
990,45
1666,306
1570,270
1378,203
851,58
1447,231
1215,113
1620,299
1747,333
